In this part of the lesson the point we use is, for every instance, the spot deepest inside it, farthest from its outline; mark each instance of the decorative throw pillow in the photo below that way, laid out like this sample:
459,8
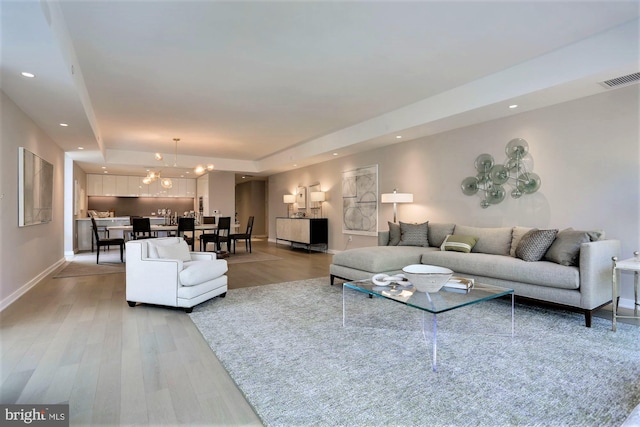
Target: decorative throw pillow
153,244
414,234
516,236
438,232
179,251
458,243
565,249
534,244
394,234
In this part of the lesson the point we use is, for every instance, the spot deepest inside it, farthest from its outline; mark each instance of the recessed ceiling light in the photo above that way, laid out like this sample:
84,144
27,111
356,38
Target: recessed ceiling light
80,148
64,125
106,172
398,136
243,177
26,74
335,154
512,106
104,167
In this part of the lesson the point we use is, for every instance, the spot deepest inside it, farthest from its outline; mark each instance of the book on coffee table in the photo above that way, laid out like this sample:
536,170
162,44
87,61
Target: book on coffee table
457,282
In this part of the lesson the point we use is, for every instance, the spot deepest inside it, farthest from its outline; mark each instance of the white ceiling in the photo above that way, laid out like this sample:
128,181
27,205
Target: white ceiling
259,87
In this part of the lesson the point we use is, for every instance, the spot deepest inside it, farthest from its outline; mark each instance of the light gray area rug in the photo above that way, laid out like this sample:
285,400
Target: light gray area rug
287,350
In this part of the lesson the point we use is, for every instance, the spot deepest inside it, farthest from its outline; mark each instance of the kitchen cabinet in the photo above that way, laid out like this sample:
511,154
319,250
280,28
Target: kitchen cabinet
94,185
132,186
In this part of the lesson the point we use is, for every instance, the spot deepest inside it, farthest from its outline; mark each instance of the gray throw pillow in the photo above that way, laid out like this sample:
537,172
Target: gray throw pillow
534,244
438,232
565,249
414,234
394,234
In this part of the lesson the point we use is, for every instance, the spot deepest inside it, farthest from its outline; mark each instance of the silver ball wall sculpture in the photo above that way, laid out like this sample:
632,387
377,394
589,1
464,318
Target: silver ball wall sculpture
491,178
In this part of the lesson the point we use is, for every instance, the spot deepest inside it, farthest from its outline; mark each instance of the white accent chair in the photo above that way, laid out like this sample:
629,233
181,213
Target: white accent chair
164,272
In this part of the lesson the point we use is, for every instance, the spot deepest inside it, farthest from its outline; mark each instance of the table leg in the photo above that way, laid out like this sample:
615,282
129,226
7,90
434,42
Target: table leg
614,295
434,338
635,294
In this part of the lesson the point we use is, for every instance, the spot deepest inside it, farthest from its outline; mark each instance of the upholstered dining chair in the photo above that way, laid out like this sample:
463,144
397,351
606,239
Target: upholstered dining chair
105,242
221,234
246,236
187,225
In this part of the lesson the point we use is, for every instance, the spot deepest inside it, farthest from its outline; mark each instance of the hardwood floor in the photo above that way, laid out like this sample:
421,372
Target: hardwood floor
75,340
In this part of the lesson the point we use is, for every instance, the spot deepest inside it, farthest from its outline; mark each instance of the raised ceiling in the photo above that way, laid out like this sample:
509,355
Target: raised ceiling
262,87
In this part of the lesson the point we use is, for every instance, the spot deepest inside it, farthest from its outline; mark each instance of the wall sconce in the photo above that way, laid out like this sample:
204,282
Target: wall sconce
396,198
289,199
317,197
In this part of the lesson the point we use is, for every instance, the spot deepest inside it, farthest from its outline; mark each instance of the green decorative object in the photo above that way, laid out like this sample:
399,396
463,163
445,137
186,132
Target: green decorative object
491,177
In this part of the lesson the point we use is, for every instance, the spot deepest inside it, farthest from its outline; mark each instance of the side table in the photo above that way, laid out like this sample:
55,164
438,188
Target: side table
631,264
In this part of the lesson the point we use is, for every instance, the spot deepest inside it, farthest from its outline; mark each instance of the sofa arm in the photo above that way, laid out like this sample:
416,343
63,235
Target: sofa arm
153,280
202,256
383,238
595,271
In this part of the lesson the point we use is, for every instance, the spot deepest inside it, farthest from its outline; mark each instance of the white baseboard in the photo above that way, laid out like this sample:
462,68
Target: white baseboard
30,284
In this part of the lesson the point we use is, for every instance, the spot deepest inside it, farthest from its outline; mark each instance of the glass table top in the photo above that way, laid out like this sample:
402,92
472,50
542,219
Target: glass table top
437,302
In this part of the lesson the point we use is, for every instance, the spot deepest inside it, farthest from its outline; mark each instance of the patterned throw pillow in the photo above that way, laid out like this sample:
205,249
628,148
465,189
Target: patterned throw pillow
414,234
394,234
458,243
534,244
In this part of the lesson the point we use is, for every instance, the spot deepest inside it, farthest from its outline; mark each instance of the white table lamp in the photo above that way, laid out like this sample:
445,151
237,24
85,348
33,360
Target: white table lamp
396,198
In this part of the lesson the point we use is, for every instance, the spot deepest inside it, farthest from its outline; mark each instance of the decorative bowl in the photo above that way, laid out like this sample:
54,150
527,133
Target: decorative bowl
427,278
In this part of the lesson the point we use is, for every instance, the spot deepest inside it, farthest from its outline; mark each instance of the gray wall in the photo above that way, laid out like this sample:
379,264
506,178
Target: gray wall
26,253
586,153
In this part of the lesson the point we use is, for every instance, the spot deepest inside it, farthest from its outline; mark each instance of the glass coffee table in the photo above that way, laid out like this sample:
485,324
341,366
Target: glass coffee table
446,299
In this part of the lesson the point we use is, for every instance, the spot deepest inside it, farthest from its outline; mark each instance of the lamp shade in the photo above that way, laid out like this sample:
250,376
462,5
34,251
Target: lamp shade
397,198
289,198
317,196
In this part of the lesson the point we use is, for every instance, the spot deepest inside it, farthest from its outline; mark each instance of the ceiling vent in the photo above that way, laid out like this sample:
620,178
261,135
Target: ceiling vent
621,81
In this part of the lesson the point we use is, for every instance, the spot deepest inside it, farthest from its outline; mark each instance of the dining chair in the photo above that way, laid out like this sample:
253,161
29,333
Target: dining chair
106,242
187,225
246,236
219,236
141,228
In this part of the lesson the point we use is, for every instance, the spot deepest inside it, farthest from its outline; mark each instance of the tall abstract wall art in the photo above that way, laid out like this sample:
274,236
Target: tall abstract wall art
360,201
35,189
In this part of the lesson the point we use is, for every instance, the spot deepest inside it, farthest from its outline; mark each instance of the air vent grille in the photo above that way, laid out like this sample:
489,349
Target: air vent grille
621,81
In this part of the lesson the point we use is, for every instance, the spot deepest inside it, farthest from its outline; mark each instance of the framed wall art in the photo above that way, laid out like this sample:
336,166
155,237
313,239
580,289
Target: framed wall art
360,201
35,189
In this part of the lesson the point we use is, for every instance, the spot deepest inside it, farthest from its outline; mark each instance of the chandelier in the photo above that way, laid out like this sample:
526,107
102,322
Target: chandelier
166,182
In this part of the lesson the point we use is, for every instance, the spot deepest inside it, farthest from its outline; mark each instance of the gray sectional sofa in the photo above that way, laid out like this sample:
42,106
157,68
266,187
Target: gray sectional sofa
574,270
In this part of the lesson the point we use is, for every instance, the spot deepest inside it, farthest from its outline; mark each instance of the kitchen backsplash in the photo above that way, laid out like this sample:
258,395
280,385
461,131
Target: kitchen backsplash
140,206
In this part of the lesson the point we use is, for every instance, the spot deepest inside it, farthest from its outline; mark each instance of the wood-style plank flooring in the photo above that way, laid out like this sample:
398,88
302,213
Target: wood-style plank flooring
75,340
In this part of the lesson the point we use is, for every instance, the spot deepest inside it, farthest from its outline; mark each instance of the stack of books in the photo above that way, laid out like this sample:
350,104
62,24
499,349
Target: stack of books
457,282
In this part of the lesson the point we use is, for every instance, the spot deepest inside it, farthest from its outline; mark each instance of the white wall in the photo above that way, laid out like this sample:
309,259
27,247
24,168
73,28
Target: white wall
26,253
586,153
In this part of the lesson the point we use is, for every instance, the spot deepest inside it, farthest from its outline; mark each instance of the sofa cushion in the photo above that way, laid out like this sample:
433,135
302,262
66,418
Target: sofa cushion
516,236
490,240
197,272
438,232
535,244
542,273
458,243
177,251
153,244
565,249
394,234
380,259
414,234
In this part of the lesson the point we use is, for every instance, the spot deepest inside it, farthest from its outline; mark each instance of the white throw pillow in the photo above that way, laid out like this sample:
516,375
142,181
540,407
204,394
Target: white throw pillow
153,244
179,251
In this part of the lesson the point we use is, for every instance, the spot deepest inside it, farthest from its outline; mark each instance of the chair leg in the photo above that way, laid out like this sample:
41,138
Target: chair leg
98,255
121,252
249,243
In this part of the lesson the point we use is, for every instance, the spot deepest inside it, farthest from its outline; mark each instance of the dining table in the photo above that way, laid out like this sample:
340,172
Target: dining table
161,230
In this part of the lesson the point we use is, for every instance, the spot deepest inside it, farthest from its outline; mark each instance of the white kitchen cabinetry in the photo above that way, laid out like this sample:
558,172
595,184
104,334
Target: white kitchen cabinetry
134,186
94,185
109,185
